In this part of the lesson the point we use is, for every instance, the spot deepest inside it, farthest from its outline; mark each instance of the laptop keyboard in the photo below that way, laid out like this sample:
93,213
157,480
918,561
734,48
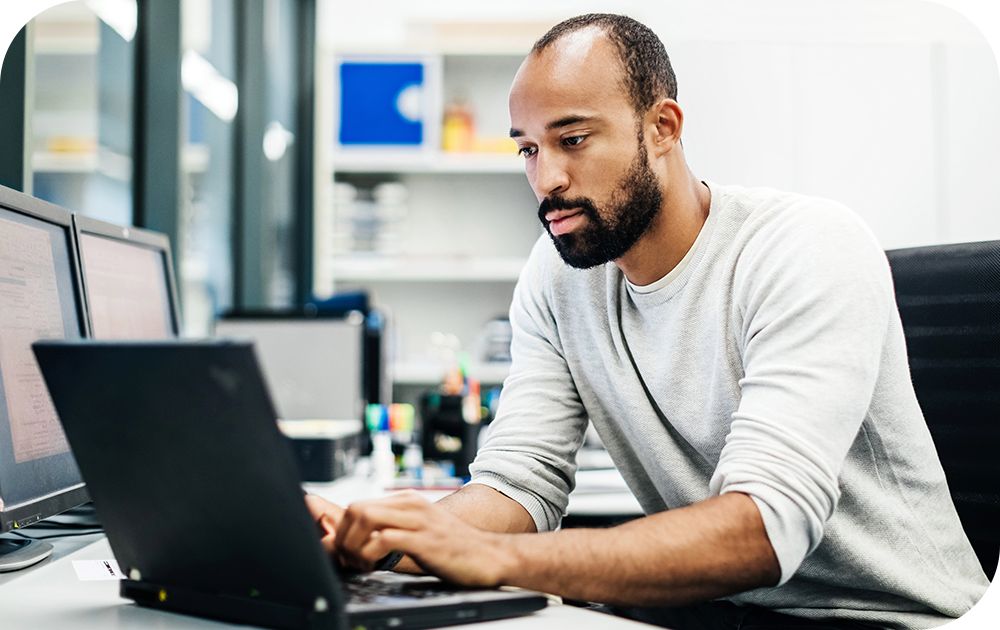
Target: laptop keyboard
364,591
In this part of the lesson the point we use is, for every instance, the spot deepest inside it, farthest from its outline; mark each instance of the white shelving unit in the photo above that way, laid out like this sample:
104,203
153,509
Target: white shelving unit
81,112
425,162
428,373
425,269
81,45
468,224
52,162
194,159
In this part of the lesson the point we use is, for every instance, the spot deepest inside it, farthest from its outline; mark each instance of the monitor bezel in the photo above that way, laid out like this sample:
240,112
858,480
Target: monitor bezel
132,235
26,514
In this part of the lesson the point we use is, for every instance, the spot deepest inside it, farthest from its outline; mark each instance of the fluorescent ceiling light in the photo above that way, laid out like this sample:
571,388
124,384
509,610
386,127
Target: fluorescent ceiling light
205,83
277,139
120,15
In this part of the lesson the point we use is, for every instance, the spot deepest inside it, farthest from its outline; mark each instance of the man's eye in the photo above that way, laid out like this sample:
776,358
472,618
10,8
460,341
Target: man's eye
573,141
526,151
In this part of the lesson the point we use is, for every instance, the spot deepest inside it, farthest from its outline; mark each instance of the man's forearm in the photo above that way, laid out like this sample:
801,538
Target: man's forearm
484,508
489,509
708,550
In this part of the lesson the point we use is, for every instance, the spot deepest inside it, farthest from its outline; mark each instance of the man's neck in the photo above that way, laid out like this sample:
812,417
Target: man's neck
684,211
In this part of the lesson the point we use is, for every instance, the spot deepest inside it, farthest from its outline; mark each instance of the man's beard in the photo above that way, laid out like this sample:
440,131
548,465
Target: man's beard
633,206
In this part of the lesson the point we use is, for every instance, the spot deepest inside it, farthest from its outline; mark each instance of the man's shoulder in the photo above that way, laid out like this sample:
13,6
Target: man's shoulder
765,205
766,218
781,238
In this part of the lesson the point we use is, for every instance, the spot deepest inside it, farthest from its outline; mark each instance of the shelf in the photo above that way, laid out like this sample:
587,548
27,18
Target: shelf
77,45
506,48
195,159
376,268
396,161
113,165
52,162
431,373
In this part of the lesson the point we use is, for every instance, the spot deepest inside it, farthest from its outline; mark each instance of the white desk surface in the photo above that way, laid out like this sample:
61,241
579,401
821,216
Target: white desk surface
50,595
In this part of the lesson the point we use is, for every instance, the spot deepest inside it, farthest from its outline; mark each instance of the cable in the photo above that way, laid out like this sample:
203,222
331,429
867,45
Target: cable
53,524
48,536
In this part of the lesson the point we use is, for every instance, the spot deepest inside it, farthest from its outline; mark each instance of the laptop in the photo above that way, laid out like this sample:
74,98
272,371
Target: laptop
200,496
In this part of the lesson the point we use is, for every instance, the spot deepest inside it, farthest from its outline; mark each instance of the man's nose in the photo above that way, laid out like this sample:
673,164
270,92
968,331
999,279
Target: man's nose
551,176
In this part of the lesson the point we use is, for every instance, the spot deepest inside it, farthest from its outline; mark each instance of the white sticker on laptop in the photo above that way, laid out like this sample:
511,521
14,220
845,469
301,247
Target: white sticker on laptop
90,570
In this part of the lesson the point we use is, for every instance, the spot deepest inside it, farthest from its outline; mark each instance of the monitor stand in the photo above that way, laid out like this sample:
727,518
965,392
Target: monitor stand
18,553
83,516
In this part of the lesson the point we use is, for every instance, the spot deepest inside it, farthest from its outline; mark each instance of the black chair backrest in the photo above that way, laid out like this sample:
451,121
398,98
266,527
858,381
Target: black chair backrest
949,301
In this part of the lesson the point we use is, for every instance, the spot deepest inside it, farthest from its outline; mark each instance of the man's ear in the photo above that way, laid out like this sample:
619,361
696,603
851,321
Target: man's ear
666,120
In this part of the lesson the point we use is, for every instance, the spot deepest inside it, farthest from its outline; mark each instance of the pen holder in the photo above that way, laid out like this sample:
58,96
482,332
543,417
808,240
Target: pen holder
445,434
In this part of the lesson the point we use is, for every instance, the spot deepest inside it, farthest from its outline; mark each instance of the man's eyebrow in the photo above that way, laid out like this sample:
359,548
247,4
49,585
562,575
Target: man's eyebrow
565,121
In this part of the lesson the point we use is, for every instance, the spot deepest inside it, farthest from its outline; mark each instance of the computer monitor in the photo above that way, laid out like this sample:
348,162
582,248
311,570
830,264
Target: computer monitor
40,298
128,281
313,365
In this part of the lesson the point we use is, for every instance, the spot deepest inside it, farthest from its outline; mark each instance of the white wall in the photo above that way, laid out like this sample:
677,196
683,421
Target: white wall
970,145
850,122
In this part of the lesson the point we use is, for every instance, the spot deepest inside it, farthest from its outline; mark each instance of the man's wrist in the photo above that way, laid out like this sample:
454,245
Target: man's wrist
507,558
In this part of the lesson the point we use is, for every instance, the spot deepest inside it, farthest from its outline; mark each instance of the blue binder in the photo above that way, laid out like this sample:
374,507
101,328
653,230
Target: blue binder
370,103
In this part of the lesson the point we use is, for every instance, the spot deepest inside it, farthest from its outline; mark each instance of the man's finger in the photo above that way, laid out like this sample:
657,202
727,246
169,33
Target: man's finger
326,526
383,515
319,506
375,548
329,543
360,520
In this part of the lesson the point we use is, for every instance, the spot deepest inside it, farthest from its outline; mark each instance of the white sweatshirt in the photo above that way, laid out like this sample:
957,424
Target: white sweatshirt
771,362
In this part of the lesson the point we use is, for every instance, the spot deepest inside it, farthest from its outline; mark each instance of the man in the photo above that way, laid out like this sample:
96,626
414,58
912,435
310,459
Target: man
740,354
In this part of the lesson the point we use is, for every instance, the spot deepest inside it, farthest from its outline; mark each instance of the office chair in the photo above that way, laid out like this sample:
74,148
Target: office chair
949,302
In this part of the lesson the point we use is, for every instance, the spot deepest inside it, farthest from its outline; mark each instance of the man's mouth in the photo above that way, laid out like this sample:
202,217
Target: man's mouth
564,221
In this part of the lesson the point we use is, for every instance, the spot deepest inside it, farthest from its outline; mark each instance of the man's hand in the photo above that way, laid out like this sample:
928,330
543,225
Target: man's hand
328,517
691,554
437,540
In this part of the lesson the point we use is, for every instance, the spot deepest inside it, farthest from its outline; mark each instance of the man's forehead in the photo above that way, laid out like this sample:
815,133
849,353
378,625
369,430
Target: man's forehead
585,52
586,45
578,73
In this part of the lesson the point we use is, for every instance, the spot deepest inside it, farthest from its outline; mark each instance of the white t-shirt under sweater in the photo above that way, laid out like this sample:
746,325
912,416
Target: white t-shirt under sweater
771,363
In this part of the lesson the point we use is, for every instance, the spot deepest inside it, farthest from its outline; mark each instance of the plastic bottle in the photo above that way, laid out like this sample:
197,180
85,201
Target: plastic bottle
383,460
471,404
413,462
458,128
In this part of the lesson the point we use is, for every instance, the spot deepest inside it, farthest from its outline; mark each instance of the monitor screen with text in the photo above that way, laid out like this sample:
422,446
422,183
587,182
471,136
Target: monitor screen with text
38,300
128,289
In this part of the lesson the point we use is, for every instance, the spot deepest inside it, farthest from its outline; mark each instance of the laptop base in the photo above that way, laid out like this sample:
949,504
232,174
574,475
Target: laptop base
244,610
417,619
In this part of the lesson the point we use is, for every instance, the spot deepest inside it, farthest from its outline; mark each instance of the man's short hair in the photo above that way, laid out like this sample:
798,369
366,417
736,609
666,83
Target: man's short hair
648,74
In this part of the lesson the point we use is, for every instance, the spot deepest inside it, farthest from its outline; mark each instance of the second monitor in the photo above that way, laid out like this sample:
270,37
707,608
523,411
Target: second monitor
128,281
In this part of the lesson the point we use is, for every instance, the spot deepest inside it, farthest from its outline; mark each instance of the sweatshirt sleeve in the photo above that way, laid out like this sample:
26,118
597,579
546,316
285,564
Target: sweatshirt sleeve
816,297
530,449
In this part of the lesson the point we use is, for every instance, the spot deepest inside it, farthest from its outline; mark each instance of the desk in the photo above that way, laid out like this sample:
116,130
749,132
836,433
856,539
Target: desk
49,595
598,493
